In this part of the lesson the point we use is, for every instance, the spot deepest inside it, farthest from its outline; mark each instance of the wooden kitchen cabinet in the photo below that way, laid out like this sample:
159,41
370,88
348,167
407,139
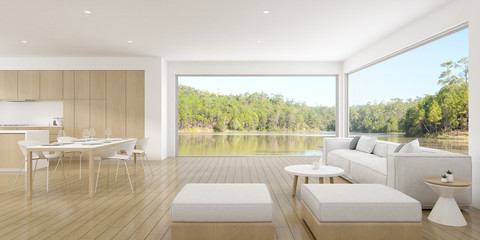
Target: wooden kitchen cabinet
116,102
135,104
51,85
69,117
98,117
8,85
98,80
68,85
82,117
82,85
28,84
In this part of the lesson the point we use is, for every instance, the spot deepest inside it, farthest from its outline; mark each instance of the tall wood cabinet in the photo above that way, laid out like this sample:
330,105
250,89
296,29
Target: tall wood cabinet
28,85
98,98
8,85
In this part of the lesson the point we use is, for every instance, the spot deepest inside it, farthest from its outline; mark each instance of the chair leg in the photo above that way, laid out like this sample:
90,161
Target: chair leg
116,174
48,170
34,170
16,179
144,171
63,171
148,162
80,166
55,170
98,175
128,175
70,164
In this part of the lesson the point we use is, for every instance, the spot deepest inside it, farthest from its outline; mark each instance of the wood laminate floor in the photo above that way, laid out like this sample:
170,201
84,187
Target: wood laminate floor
66,212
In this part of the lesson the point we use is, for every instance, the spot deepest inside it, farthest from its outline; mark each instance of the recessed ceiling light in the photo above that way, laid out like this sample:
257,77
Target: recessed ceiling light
24,41
266,12
259,41
130,41
87,12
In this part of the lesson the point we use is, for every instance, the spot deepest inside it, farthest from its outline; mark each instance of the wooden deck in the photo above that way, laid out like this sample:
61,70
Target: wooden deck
66,212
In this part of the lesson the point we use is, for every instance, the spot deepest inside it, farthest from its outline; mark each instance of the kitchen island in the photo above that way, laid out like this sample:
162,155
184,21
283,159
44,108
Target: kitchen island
11,159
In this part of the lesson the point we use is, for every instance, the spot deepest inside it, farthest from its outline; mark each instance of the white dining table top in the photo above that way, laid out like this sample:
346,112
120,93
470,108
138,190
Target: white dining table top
81,144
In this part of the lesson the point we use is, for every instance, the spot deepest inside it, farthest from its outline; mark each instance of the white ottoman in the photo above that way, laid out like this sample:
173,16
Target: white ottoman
222,211
360,211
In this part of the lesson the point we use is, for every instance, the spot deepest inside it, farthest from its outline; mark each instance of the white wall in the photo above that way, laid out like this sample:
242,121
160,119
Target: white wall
233,68
43,112
447,17
153,74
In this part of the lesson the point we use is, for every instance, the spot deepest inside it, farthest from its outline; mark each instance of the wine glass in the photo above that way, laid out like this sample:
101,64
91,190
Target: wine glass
108,132
85,133
92,132
61,134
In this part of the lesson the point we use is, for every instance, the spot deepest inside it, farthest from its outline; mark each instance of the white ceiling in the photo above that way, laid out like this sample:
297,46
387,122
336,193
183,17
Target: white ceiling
323,30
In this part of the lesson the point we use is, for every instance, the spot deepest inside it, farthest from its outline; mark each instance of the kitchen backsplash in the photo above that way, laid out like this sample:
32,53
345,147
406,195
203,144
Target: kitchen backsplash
41,113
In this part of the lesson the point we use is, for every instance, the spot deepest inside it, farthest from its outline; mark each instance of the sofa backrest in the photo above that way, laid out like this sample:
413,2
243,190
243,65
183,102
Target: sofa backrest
383,148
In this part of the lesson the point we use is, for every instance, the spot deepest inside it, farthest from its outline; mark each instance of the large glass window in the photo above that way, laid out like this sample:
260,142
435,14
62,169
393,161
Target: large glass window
420,94
254,115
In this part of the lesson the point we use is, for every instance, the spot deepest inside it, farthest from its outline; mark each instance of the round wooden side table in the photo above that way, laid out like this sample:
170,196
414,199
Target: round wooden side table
446,210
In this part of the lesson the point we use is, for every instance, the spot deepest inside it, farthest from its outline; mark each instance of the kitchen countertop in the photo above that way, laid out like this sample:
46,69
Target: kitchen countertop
18,131
30,126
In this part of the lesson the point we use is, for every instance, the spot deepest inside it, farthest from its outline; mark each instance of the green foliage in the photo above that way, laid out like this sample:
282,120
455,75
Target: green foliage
249,112
445,111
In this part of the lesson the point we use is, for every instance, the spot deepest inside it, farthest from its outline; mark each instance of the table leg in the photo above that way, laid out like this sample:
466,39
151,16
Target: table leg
306,180
29,175
320,180
91,175
294,189
331,180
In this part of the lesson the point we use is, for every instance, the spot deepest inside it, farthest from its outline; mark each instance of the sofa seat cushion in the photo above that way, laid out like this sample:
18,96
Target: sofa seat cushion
369,170
360,203
341,158
222,203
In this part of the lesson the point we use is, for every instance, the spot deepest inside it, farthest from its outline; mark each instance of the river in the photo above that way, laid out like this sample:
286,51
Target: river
287,143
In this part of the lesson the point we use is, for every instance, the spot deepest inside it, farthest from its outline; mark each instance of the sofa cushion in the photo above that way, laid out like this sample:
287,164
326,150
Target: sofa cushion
222,203
360,203
381,149
411,147
366,144
354,142
369,170
341,158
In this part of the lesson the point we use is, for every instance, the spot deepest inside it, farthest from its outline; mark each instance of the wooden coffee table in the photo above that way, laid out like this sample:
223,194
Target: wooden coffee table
446,210
306,170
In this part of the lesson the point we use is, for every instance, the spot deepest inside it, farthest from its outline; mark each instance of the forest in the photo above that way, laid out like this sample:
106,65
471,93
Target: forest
430,115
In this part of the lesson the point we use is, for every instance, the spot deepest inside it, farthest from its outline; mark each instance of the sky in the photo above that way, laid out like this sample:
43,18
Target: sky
409,75
414,73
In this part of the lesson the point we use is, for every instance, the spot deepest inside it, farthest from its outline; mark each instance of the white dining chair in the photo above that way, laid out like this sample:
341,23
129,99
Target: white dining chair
142,143
38,156
112,154
70,139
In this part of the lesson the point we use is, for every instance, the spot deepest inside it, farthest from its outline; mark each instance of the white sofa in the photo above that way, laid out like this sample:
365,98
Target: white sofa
402,171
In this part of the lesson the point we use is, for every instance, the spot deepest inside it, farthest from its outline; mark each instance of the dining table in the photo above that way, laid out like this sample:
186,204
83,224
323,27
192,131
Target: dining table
88,147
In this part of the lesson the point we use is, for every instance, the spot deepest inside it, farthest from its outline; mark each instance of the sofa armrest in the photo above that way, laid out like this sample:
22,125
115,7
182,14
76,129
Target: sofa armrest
405,172
330,144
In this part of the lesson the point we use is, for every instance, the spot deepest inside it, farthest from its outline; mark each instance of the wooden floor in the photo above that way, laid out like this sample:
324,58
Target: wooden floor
66,212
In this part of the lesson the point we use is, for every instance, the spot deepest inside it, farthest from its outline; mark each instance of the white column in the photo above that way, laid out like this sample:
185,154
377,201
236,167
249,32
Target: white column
342,106
474,98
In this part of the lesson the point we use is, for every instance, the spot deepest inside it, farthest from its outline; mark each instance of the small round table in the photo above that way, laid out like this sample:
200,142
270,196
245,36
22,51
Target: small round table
306,170
446,210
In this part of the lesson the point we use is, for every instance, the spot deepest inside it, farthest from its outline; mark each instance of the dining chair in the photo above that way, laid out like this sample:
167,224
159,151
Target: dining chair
113,154
70,139
142,143
38,156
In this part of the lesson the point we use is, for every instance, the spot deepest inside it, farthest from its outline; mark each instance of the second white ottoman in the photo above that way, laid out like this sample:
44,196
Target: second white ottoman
360,211
222,211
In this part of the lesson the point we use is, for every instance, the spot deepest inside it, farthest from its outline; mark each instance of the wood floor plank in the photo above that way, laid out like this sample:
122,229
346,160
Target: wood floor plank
66,212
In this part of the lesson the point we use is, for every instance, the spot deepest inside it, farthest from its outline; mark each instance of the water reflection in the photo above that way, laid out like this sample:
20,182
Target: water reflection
287,143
